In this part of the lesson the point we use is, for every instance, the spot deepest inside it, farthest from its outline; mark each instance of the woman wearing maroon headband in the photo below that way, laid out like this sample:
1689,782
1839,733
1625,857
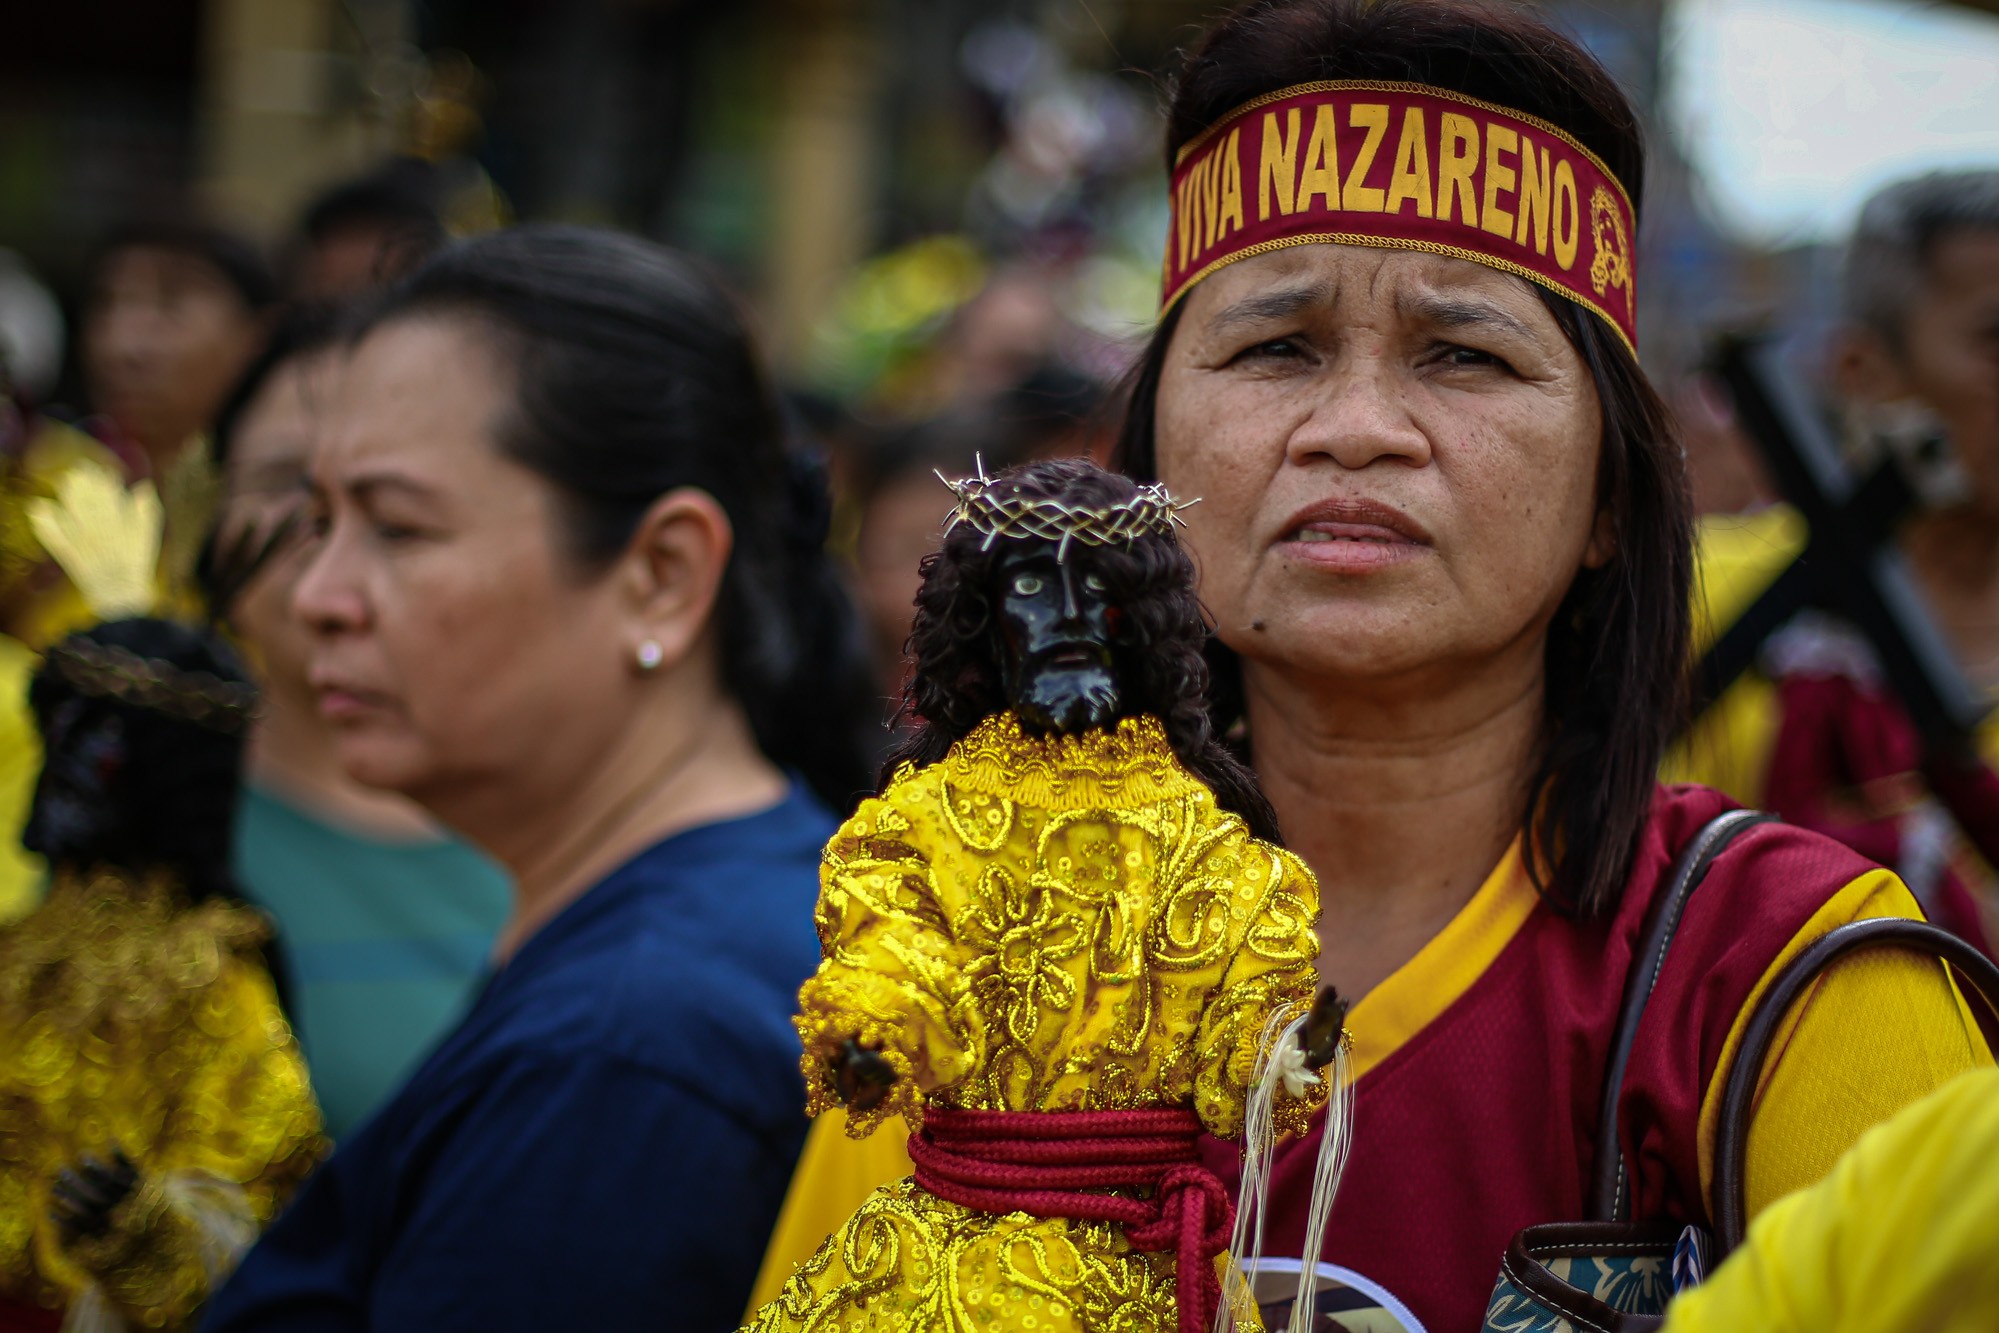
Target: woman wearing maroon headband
1444,533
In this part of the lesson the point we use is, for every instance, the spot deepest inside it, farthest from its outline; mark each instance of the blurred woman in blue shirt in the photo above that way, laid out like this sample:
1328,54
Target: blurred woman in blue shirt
568,593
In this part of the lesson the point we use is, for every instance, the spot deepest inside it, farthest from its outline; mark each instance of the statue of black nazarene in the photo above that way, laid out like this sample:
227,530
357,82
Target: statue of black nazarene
1061,942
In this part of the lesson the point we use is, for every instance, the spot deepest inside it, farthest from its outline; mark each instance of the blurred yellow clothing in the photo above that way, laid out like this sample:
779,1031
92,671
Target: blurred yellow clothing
1737,557
1902,1237
1068,923
131,1019
21,873
1728,747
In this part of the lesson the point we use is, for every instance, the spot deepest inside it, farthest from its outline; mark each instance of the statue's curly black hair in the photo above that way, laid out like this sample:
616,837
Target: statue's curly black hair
955,641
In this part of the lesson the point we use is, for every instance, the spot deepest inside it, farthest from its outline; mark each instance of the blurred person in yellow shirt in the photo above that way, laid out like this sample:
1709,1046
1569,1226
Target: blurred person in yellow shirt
1900,1237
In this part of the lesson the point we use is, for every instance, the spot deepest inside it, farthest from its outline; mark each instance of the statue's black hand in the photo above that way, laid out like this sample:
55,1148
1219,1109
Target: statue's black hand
860,1076
1323,1026
85,1195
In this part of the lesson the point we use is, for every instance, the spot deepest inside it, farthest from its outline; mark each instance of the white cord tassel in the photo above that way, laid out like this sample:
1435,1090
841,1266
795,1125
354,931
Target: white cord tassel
1282,1034
1334,1146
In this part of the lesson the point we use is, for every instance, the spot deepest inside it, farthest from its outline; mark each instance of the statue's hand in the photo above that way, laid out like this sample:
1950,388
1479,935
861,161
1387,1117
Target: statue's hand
1323,1028
85,1195
861,1077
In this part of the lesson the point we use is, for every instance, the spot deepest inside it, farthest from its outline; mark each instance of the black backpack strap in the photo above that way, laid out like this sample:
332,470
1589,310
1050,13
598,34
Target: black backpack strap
1731,1199
1610,1193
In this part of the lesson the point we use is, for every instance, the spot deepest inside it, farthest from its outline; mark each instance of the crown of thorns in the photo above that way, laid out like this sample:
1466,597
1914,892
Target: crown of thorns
1000,510
105,671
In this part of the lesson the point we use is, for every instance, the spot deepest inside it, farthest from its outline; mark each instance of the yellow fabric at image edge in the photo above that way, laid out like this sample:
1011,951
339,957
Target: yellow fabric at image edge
1900,1236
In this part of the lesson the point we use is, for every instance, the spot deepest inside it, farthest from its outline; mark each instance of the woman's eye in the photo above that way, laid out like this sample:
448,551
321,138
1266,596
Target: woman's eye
1452,354
394,532
1280,349
1093,583
1026,585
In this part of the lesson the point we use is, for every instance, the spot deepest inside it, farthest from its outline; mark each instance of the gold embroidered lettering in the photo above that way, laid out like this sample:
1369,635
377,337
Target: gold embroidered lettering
1498,177
1534,186
1279,167
1459,160
1189,224
1322,162
1411,178
1211,184
1359,197
1231,186
1568,216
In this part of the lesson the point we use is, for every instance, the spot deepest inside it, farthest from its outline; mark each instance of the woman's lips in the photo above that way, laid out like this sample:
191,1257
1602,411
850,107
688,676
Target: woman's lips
347,703
1353,536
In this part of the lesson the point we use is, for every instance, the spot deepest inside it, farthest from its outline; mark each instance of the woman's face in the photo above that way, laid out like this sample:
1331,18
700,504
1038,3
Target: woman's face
1396,459
164,337
455,642
265,480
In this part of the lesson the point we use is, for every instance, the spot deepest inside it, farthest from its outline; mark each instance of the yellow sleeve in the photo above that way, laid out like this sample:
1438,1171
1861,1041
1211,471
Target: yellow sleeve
249,1106
1900,1236
835,1175
892,971
1272,969
1878,1031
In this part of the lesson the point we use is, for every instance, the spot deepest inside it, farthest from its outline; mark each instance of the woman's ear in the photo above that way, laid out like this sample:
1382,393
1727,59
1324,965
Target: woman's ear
1602,546
672,573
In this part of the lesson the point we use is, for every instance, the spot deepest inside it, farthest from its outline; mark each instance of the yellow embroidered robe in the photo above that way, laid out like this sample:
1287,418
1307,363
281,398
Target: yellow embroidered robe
1039,925
130,1019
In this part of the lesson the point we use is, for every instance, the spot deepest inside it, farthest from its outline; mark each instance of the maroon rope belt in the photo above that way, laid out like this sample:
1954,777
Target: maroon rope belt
1042,1163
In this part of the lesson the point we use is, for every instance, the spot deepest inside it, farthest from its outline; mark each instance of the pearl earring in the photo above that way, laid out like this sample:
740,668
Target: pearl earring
651,655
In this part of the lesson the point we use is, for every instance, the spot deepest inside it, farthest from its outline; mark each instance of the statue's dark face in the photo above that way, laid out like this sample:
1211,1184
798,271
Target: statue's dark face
76,812
1057,620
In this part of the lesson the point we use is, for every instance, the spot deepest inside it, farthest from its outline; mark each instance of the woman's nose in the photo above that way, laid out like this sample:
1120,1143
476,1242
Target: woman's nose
1360,417
327,597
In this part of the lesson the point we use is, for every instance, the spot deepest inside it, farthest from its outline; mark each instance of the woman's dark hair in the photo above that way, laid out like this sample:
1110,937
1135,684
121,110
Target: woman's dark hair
955,641
301,331
132,786
1617,649
234,259
633,374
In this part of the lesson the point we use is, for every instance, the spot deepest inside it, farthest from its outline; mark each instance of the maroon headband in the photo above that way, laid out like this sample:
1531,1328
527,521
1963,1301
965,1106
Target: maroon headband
1408,167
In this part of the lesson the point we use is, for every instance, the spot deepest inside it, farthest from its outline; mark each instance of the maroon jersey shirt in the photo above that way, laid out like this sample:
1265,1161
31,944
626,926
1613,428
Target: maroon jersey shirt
1482,1118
